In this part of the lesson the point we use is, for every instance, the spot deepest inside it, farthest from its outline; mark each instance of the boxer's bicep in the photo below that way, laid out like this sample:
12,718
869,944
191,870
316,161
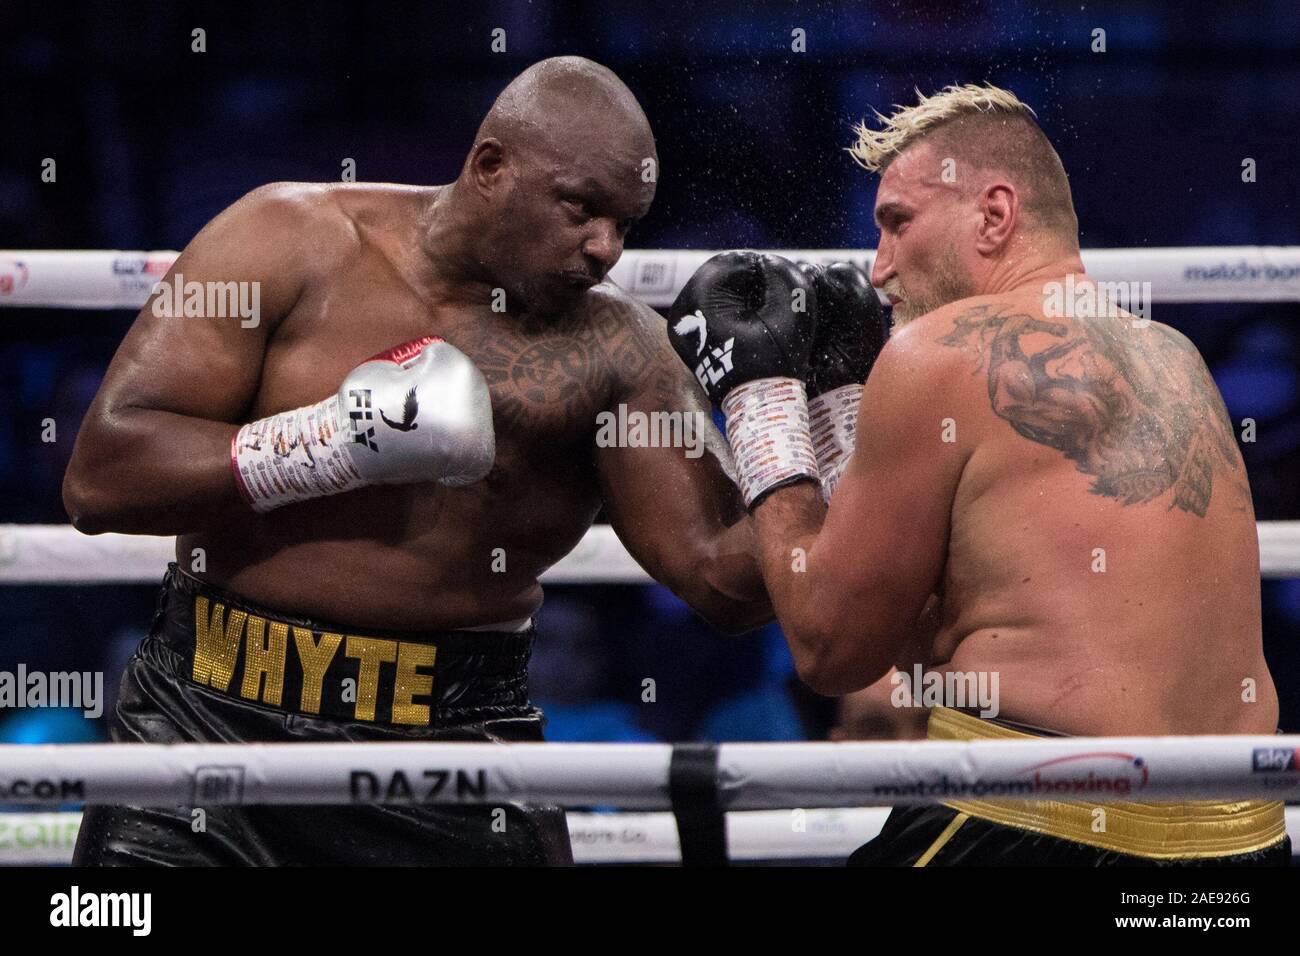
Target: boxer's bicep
885,537
666,477
196,347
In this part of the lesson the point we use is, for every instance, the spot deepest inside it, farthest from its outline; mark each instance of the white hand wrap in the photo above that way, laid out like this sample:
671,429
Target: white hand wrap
833,419
767,426
419,412
293,456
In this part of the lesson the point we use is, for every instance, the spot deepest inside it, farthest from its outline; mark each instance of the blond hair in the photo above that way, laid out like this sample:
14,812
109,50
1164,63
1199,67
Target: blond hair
989,128
876,148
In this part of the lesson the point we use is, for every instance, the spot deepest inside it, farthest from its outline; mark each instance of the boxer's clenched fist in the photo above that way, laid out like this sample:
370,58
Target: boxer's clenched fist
418,412
738,319
850,325
850,332
744,326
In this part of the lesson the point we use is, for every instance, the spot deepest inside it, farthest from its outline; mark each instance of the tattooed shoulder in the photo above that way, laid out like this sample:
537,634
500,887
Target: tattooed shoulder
635,339
1135,408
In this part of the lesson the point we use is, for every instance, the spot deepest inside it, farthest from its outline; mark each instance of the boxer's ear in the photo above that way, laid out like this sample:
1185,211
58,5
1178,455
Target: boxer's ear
487,165
1000,210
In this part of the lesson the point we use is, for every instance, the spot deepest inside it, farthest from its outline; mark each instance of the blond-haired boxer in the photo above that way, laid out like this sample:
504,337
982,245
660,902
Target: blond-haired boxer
1064,480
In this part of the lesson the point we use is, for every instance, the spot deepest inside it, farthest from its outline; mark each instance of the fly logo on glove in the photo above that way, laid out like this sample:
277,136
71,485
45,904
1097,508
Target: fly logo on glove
747,298
360,399
705,372
449,440
710,374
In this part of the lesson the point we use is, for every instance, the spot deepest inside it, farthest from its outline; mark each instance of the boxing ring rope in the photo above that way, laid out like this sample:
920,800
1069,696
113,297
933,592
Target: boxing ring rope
818,781
121,279
47,839
59,554
747,776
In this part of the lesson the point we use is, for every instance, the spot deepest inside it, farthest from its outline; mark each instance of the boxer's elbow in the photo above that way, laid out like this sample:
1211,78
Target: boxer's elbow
85,505
95,498
836,656
832,672
93,506
729,606
732,617
723,611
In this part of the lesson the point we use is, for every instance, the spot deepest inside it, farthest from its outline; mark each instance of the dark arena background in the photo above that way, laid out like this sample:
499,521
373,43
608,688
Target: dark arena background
1177,122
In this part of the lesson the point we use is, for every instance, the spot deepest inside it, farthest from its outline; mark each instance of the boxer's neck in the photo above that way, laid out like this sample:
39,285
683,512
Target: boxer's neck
1033,260
450,240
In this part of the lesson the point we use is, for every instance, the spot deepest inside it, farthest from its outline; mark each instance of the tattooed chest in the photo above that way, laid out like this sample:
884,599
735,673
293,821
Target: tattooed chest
545,390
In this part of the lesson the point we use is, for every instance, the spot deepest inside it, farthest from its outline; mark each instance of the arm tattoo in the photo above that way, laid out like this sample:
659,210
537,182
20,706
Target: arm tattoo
1135,409
636,339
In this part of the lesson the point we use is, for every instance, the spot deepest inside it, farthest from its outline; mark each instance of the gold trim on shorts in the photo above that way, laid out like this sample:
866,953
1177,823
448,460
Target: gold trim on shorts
1187,829
948,833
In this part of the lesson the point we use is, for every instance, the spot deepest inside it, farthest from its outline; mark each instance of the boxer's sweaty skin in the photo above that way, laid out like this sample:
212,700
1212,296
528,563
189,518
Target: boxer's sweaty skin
1101,440
344,273
1087,524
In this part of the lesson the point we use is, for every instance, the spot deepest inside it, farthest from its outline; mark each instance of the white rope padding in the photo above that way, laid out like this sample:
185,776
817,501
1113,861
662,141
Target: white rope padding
112,279
48,839
1177,274
636,776
59,554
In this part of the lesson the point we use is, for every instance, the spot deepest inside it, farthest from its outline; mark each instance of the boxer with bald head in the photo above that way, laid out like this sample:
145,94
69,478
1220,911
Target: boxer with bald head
367,484
1044,498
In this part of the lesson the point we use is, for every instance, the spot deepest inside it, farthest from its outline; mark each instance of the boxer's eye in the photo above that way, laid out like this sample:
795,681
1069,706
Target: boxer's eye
578,207
893,222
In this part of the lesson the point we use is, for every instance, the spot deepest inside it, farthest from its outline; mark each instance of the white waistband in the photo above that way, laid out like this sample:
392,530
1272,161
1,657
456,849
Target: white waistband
513,627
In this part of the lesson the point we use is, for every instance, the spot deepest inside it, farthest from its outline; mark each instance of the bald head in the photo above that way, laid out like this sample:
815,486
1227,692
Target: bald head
555,103
563,165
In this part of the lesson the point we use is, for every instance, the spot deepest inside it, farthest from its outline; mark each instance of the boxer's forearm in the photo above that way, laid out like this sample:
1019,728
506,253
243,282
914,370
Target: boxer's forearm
787,522
734,591
146,471
836,650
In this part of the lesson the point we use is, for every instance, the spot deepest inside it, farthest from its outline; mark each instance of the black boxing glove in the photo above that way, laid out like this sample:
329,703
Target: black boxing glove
744,327
851,329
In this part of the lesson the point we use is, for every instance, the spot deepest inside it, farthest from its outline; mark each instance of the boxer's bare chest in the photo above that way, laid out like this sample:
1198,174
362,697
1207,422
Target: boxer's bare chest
548,379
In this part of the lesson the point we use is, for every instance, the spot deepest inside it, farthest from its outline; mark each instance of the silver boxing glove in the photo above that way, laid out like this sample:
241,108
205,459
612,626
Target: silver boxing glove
418,412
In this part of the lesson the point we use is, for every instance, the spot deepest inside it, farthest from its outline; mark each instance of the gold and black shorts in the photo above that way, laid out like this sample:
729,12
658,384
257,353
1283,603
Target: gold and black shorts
1057,833
216,668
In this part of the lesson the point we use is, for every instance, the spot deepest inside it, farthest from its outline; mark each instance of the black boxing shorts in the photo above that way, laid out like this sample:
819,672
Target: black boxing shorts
215,668
1058,833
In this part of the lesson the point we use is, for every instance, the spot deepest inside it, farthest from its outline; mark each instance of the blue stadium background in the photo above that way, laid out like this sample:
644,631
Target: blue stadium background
152,140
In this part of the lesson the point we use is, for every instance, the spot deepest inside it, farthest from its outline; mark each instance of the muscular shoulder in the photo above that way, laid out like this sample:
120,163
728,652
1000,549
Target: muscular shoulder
921,354
295,223
634,337
939,368
285,205
323,224
613,309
